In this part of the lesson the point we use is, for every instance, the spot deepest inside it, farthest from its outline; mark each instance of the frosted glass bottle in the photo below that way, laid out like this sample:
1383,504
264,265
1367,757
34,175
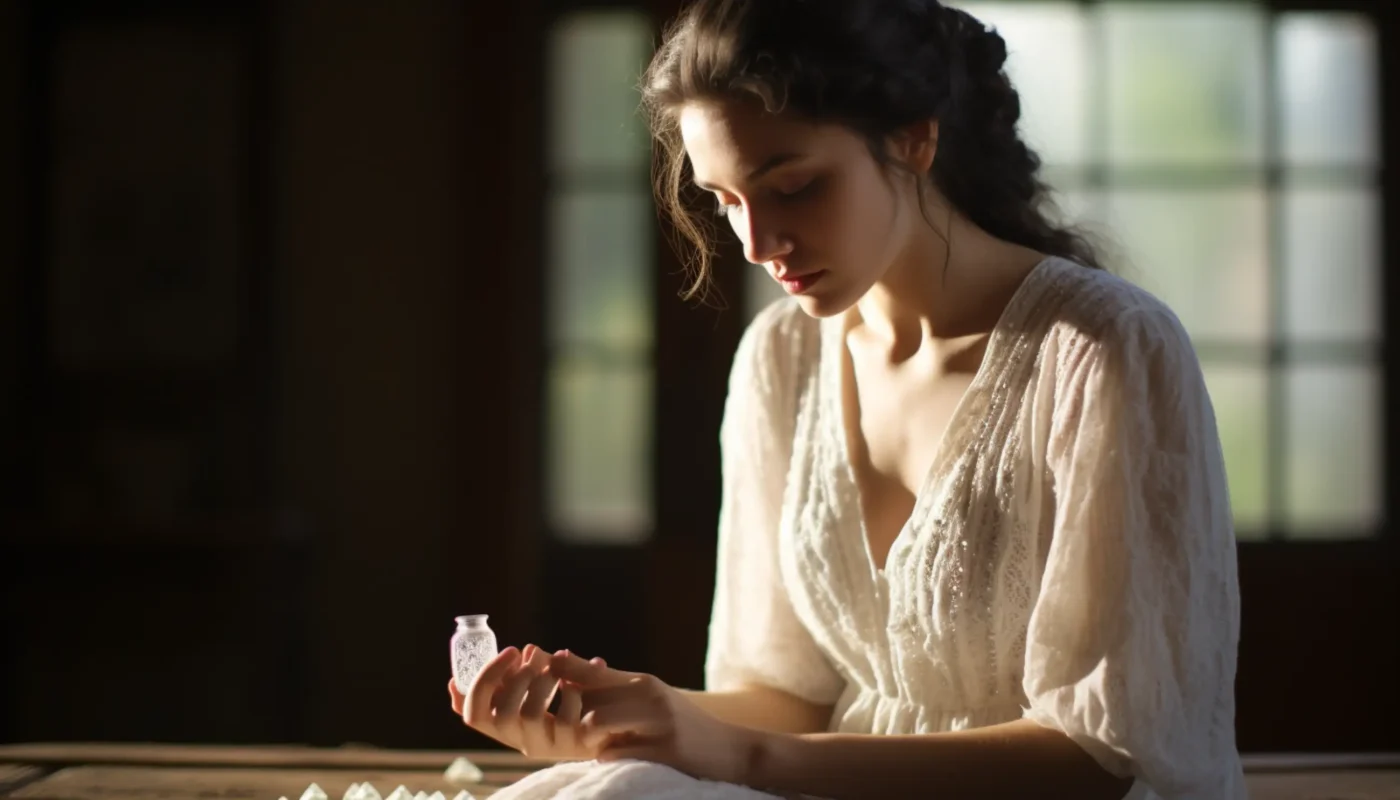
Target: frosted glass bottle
473,645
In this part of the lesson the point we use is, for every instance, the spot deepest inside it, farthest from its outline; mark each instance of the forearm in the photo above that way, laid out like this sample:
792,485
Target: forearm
763,708
1015,760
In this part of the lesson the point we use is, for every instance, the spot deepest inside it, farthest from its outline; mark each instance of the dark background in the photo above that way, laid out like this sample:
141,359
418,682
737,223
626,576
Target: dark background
367,387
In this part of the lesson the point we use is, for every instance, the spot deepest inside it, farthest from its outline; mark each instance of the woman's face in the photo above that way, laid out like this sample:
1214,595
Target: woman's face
808,201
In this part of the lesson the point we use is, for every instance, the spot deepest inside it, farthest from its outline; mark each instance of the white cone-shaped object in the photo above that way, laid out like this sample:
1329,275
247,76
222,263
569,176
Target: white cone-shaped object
462,772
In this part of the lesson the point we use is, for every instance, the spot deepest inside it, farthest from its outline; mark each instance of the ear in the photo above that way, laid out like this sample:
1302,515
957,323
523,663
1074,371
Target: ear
915,145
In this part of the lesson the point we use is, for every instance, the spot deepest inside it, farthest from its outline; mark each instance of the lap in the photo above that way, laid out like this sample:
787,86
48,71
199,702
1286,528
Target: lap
590,780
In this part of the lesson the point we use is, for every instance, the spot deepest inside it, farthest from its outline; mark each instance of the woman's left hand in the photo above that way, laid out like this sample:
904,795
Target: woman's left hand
634,715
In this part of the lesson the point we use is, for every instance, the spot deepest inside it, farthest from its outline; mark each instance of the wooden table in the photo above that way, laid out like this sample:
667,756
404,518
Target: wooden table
196,772
199,772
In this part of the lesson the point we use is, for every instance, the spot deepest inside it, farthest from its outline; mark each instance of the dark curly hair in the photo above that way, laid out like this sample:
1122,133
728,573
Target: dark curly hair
874,66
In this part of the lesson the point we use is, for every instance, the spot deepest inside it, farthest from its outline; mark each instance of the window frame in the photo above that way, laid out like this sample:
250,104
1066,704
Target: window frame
556,183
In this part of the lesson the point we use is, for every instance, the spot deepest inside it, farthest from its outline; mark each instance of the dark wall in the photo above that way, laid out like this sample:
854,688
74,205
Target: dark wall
13,217
376,369
376,309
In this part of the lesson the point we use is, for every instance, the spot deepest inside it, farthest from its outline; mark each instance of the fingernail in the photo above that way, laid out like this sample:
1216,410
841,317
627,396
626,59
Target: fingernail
509,651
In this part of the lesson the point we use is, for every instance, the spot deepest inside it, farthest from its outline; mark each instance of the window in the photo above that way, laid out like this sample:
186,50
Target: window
1228,156
600,260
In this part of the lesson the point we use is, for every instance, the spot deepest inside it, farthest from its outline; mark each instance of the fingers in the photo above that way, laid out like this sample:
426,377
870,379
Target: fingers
621,693
457,698
536,726
570,709
509,700
540,693
505,706
637,718
587,674
485,686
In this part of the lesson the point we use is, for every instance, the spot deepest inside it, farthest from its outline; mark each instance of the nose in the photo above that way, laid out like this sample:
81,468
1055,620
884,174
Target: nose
763,240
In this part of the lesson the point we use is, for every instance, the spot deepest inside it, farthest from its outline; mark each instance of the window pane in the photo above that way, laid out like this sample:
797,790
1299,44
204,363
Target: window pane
1080,208
1327,83
595,61
1331,257
599,451
1203,252
1333,459
1047,61
600,268
1185,82
1240,397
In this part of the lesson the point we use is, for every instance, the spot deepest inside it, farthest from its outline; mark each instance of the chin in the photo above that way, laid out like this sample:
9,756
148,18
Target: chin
822,306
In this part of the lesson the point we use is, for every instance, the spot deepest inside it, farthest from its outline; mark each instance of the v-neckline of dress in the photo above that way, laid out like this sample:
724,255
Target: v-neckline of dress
958,421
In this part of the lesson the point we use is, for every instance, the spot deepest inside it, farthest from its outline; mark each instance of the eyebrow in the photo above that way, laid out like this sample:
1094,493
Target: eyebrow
763,169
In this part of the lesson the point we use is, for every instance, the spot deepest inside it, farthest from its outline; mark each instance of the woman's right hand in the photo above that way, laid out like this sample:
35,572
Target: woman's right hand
509,701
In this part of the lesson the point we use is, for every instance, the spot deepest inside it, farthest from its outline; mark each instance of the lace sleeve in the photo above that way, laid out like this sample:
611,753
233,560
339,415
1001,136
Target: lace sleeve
755,637
1132,643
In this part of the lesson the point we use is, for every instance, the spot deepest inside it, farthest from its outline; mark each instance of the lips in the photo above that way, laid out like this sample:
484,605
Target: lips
797,284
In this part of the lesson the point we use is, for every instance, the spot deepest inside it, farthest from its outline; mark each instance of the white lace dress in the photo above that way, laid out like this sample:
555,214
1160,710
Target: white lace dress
1070,558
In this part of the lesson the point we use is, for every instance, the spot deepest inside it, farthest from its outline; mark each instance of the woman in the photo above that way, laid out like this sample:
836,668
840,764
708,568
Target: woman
975,538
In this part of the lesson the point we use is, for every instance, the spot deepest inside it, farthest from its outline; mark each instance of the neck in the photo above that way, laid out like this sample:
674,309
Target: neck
946,286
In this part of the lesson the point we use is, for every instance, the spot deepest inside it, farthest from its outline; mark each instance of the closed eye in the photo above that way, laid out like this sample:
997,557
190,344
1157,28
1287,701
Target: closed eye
724,209
802,191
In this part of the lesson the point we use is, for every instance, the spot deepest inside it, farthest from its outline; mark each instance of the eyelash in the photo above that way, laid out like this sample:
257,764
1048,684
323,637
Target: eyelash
722,208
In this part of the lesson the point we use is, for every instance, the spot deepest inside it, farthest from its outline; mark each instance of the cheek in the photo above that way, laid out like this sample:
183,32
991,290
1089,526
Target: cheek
864,225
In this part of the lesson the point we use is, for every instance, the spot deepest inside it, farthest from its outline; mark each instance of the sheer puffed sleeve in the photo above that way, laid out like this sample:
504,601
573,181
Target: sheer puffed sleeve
755,636
1132,643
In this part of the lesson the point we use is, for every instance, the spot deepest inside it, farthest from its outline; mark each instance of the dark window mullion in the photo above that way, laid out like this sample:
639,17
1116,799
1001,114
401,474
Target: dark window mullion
1279,352
1226,176
1276,449
606,355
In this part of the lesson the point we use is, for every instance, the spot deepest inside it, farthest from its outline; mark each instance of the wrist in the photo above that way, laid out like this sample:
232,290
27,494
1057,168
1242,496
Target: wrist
762,751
